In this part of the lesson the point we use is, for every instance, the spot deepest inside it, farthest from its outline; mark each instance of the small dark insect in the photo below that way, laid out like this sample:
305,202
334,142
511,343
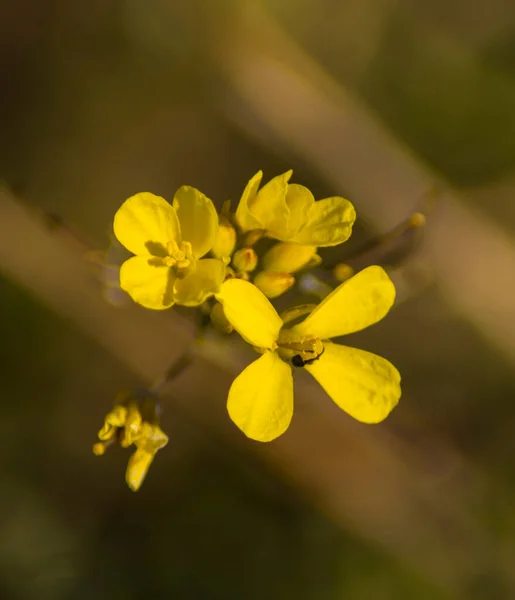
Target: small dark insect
298,361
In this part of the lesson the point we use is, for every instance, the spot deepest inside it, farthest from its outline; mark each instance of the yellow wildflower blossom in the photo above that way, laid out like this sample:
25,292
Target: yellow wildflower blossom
169,242
133,420
364,385
289,212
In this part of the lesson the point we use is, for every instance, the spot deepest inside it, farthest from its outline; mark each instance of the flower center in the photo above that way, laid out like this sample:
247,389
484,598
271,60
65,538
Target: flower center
180,257
298,350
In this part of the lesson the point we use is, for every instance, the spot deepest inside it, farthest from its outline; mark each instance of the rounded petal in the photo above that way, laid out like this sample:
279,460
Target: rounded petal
328,223
137,468
299,200
356,304
261,398
287,258
269,207
364,385
147,284
250,313
198,219
243,217
145,224
204,281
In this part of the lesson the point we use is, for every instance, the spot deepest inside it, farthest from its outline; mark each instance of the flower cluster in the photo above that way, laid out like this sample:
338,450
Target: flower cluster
133,420
187,254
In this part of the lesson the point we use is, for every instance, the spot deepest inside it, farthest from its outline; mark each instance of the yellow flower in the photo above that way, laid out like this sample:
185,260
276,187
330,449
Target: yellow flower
134,420
364,385
169,242
288,212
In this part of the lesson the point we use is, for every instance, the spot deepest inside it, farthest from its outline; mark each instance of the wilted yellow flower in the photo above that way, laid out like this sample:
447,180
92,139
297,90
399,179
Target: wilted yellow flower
169,243
288,212
134,420
364,385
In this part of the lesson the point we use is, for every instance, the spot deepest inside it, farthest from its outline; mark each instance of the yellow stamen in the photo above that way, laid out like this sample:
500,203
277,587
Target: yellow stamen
178,256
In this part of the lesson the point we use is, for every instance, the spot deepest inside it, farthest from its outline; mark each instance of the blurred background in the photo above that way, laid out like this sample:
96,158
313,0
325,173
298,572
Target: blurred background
375,100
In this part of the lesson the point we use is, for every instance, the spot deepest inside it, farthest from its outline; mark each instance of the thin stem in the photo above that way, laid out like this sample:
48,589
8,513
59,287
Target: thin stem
173,371
374,250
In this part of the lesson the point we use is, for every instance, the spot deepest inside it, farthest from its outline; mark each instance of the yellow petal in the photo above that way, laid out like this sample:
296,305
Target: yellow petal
299,200
328,223
250,313
137,468
203,281
132,423
269,207
243,217
364,385
147,284
357,303
287,258
107,432
153,438
261,398
116,416
198,219
145,224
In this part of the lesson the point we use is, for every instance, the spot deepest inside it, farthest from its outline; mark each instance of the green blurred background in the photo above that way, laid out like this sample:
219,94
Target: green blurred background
106,98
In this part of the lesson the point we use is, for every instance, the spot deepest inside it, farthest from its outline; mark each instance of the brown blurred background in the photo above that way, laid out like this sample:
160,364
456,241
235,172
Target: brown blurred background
376,100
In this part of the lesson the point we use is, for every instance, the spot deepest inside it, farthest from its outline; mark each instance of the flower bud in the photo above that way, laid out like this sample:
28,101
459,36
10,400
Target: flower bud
253,236
219,320
417,220
288,257
342,272
225,239
273,284
245,260
313,262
